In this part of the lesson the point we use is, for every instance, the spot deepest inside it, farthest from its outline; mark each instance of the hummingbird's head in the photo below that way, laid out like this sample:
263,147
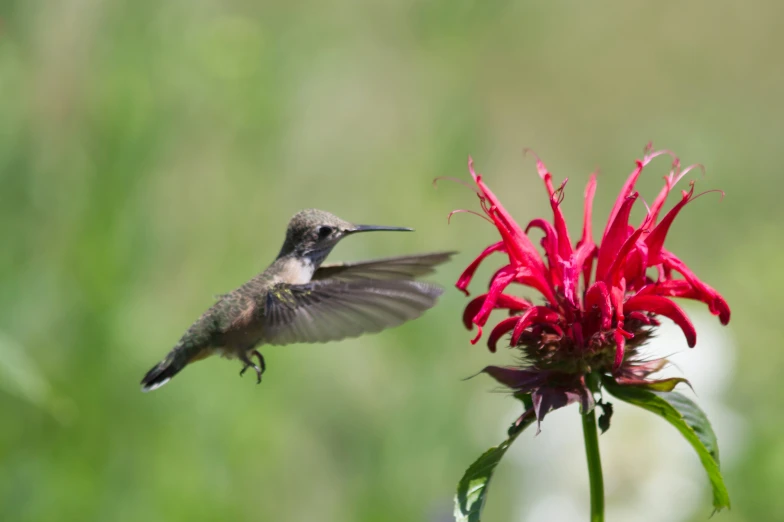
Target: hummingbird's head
313,233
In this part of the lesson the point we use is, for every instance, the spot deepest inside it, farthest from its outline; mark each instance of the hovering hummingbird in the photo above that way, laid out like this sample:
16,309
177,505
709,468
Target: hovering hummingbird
299,300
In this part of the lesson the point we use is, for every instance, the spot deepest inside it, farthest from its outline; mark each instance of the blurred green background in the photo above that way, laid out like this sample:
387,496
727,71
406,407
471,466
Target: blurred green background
151,154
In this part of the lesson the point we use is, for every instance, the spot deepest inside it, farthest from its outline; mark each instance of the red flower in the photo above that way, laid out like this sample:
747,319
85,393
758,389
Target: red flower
600,301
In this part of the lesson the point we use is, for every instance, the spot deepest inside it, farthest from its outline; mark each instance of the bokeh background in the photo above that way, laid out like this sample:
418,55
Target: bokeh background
151,154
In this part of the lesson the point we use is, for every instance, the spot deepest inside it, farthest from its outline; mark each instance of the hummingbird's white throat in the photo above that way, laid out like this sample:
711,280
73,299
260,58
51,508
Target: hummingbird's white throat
296,270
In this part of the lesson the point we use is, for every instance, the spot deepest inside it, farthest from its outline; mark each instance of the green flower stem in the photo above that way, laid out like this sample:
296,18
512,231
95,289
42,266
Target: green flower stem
594,466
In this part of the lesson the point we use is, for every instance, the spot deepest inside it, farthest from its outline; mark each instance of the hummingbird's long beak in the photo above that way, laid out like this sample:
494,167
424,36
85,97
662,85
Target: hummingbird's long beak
372,228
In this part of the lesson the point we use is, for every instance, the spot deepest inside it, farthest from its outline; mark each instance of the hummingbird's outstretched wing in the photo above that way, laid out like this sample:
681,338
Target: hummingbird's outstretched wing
330,310
402,267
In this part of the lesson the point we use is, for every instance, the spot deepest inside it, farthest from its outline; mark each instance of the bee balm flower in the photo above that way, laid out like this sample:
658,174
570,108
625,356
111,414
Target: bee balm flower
601,299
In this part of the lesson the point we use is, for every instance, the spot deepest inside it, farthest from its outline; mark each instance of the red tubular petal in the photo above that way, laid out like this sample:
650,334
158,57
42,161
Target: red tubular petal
504,327
590,191
471,170
617,294
570,276
669,181
511,302
636,265
669,287
564,243
519,247
655,239
626,191
495,274
614,236
516,241
507,227
639,316
618,267
526,277
700,291
666,307
468,273
582,258
500,282
536,314
628,187
531,267
620,345
478,335
597,295
471,309
543,172
522,322
653,213
550,245
557,329
517,254
550,240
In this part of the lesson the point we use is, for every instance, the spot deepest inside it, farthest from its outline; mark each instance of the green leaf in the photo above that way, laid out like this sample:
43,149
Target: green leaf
663,385
472,489
690,420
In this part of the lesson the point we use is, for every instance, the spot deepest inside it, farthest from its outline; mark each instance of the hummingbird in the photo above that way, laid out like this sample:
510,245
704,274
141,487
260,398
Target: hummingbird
297,299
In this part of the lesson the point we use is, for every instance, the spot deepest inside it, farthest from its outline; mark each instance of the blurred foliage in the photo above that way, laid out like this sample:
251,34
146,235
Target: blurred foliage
151,154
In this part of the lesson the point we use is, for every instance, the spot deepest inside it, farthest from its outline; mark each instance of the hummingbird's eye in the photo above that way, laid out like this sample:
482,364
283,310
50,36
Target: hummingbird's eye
324,232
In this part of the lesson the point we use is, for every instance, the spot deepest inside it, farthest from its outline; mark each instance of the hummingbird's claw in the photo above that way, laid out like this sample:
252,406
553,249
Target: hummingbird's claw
249,364
261,360
259,371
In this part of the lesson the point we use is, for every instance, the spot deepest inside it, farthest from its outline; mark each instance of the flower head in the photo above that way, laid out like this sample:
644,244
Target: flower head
602,297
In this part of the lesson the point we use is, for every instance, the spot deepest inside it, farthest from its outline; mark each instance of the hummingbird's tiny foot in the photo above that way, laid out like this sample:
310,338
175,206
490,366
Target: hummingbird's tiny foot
256,368
259,371
249,364
261,361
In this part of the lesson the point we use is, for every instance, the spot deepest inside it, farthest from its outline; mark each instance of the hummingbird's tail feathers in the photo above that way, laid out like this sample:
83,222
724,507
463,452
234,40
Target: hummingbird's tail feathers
162,372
